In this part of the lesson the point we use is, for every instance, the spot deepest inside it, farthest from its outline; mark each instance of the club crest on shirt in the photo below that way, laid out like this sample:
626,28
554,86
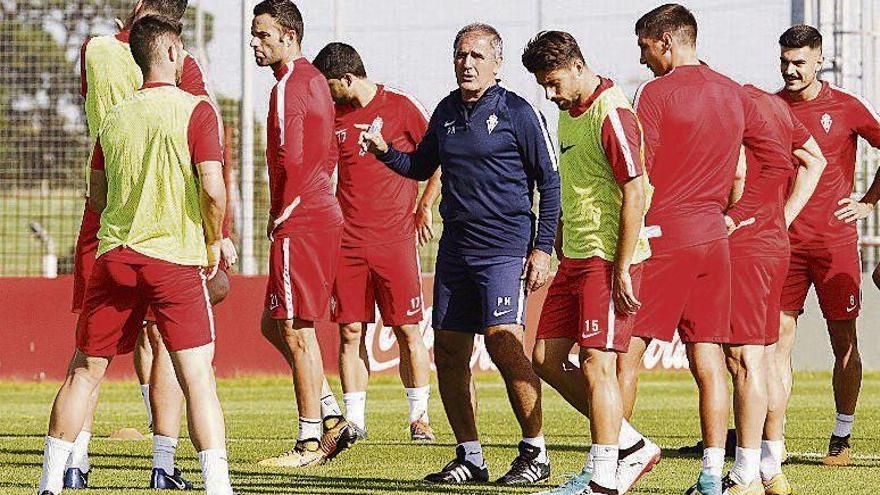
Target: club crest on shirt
826,122
341,135
491,122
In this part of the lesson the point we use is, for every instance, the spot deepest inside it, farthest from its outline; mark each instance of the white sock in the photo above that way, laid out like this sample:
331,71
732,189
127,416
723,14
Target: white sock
163,453
629,436
473,453
309,429
355,408
329,406
55,456
215,472
145,394
539,443
771,458
746,465
418,402
713,461
843,425
79,457
603,463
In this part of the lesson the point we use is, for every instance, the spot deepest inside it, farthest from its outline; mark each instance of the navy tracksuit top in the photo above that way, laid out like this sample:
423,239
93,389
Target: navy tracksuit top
493,154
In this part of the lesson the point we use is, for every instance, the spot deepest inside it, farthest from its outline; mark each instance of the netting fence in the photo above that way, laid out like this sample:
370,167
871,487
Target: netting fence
44,142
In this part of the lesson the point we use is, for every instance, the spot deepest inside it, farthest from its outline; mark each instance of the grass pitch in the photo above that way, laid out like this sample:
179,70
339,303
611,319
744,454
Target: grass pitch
260,416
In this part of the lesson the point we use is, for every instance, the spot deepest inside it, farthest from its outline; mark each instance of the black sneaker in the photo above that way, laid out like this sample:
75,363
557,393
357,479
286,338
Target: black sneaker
161,480
697,449
460,470
526,469
76,479
838,452
46,492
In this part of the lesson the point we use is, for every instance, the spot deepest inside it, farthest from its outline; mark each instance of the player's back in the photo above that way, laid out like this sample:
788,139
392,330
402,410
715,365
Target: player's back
693,120
153,193
768,234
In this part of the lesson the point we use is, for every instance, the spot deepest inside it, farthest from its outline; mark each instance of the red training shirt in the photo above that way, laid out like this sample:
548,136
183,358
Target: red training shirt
835,118
768,235
301,151
376,202
694,121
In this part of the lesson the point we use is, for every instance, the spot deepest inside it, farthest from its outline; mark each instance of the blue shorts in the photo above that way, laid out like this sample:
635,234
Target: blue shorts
472,293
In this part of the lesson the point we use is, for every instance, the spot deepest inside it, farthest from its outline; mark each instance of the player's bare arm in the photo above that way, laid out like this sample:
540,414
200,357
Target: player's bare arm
631,218
213,205
424,215
739,178
812,164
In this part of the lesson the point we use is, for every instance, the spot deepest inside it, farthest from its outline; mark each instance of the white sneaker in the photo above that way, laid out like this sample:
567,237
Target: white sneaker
635,463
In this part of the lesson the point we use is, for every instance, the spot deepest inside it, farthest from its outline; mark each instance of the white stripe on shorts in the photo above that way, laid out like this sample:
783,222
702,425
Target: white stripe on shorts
208,304
520,302
288,288
609,340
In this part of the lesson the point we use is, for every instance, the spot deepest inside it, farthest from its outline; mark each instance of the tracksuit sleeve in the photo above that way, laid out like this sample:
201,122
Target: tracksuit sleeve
773,156
421,163
539,157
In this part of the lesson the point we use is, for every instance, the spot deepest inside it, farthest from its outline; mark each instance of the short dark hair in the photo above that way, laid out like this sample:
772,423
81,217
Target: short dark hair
145,35
338,59
800,36
668,18
285,12
551,50
172,9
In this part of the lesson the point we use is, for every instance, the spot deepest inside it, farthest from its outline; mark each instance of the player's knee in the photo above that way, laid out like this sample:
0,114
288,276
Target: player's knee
88,372
407,335
350,334
598,365
295,338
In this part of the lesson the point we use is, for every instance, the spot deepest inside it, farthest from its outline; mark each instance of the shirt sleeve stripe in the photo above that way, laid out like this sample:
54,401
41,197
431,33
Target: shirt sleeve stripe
548,141
279,102
865,103
412,100
624,144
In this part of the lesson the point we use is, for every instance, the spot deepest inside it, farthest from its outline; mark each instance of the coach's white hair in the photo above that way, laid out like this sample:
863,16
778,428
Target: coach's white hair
484,29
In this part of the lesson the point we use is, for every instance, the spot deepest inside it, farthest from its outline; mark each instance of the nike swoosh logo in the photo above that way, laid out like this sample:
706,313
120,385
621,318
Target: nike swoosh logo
588,335
563,148
497,313
177,482
412,312
850,310
447,124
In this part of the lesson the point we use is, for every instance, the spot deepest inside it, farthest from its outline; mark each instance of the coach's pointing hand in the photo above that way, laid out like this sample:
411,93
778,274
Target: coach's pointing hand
537,270
373,142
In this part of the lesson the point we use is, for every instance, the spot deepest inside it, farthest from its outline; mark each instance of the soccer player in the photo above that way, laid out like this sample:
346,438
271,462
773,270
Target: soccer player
824,240
694,121
379,262
305,227
495,148
108,75
157,156
601,245
759,259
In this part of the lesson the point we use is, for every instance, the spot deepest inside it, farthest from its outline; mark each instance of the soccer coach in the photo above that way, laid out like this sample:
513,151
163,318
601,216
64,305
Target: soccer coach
494,148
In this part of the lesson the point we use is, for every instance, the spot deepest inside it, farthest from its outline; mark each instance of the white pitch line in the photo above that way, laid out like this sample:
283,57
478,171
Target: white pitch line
821,455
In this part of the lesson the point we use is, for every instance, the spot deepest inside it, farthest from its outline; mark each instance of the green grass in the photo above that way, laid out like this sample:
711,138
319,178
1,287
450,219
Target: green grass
260,422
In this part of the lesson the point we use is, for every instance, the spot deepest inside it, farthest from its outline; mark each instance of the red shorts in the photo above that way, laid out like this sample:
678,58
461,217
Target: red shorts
302,268
388,276
687,289
756,290
579,306
84,256
123,284
837,275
